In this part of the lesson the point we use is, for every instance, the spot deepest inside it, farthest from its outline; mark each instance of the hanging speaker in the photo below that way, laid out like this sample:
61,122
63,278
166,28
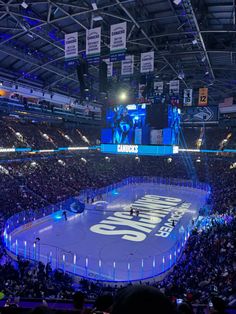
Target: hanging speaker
157,115
143,80
103,77
80,74
149,87
82,71
84,66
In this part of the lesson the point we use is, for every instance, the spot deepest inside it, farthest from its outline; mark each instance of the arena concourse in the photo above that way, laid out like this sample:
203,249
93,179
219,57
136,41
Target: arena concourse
117,157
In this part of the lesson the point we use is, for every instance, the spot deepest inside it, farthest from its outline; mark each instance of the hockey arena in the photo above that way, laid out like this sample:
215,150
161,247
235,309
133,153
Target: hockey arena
136,230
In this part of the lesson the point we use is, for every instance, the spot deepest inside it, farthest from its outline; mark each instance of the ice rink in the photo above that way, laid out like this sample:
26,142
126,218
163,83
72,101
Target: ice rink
106,242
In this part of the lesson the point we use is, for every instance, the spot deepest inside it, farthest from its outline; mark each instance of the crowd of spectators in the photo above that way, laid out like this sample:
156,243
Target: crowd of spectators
17,133
207,266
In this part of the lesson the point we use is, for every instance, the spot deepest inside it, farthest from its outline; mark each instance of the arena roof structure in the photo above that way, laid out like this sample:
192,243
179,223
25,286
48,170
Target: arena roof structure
193,40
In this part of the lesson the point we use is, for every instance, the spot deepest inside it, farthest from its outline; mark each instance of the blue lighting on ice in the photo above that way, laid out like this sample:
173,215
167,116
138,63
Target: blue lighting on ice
57,217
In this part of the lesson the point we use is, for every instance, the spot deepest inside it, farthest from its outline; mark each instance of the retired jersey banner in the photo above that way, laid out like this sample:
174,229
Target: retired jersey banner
158,88
109,67
127,65
118,41
188,97
174,87
147,62
203,96
93,44
71,46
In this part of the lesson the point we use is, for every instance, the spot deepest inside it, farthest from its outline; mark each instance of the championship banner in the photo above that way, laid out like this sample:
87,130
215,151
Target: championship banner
174,87
127,65
118,41
71,46
109,67
203,96
188,97
158,88
198,115
93,44
147,62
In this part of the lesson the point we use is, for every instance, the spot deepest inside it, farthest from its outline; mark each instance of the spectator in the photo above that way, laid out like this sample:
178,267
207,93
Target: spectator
140,300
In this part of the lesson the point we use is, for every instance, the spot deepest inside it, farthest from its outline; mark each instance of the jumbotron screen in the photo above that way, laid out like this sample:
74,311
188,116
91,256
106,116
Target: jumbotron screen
141,124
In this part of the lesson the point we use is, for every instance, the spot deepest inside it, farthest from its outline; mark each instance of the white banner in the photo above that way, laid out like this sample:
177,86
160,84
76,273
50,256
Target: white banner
188,97
109,67
127,65
158,87
118,37
174,87
147,62
71,45
93,42
141,89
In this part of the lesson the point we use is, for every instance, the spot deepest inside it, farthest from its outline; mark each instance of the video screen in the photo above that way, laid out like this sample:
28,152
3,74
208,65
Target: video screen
142,124
125,121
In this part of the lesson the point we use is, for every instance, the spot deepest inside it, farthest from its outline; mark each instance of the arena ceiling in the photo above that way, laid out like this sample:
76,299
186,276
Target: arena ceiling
195,38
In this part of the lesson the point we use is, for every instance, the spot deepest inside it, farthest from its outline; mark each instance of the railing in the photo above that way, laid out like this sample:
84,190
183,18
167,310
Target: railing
10,105
92,267
93,192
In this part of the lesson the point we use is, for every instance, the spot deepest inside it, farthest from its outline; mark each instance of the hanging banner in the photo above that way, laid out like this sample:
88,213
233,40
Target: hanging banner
174,87
227,106
141,89
71,46
147,62
93,44
127,65
203,96
188,97
158,88
198,115
118,41
109,67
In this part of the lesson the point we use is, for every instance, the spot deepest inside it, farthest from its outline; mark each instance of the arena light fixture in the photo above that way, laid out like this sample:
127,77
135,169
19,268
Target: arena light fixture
123,96
61,162
177,2
84,160
181,75
97,18
233,166
24,5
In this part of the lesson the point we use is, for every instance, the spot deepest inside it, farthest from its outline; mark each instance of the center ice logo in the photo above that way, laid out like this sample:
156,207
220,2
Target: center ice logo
153,209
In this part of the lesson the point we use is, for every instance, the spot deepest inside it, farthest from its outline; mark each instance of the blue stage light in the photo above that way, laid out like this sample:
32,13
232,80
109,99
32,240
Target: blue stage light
58,217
